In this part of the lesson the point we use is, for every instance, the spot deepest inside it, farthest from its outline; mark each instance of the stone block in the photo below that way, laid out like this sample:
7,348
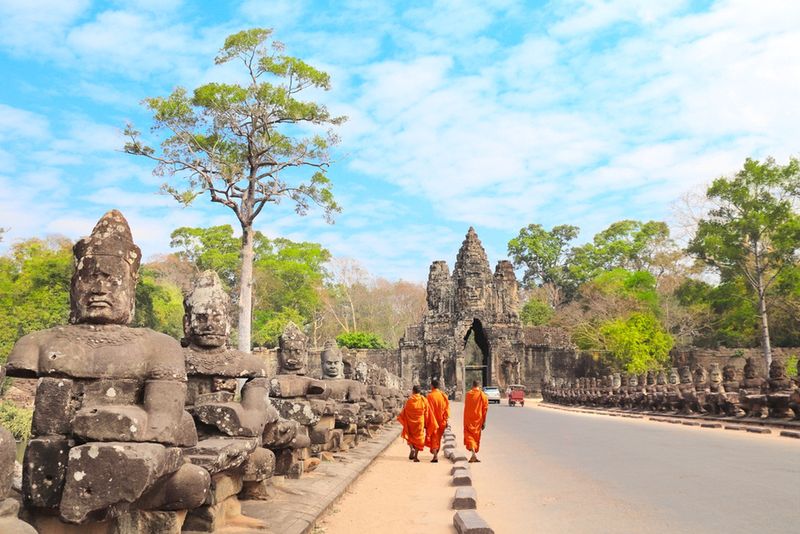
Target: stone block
288,460
292,386
279,434
691,423
711,425
459,456
469,522
100,475
259,465
790,434
44,470
759,430
465,499
219,454
57,400
449,453
230,418
297,410
262,490
224,485
459,465
146,522
734,427
462,477
212,518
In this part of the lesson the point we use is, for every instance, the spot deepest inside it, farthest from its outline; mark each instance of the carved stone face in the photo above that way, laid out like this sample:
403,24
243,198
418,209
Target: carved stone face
749,369
777,370
729,373
686,375
332,364
292,351
208,328
661,378
715,374
633,381
102,291
616,380
205,319
651,378
674,378
700,375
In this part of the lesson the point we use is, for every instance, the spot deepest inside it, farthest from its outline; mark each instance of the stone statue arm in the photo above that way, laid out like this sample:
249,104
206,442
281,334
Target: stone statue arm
23,362
163,404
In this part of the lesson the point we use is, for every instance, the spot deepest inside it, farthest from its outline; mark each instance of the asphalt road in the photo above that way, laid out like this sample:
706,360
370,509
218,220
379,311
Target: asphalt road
548,471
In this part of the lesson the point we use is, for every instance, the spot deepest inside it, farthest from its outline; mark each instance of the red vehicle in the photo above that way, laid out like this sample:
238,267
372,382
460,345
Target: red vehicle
516,395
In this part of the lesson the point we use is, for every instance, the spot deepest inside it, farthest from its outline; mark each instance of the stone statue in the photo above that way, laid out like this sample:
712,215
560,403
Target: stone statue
332,364
715,393
729,403
794,399
292,351
661,392
650,391
110,398
230,431
687,397
673,391
9,507
779,390
752,391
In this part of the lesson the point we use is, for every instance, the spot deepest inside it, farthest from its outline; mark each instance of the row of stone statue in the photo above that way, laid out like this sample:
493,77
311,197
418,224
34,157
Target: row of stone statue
135,432
716,392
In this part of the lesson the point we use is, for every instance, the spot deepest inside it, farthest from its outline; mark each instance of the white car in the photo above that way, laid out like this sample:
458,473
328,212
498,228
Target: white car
493,393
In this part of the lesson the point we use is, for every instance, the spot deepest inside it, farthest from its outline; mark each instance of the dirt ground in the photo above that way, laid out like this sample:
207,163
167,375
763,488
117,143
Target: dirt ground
395,495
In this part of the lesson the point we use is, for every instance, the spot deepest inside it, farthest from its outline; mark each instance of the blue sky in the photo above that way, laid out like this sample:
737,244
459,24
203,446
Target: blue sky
495,114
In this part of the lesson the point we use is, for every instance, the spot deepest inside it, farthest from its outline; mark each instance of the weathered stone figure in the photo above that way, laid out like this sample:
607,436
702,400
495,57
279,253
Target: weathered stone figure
731,386
109,400
715,392
9,507
779,390
673,390
794,399
687,397
230,431
752,391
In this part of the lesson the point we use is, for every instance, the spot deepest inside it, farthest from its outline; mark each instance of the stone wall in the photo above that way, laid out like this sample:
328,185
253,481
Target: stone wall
694,356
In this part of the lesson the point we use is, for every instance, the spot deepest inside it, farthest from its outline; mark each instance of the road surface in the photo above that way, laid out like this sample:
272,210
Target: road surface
548,471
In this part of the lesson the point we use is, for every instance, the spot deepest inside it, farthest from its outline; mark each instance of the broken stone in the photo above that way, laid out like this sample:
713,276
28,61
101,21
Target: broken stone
44,469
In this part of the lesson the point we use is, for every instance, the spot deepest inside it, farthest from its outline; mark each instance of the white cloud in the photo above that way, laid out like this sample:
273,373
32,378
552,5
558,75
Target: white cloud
18,123
37,26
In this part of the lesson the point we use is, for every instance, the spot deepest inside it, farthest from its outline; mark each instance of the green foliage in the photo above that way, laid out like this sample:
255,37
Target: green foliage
638,286
159,305
34,288
16,420
241,144
213,248
543,253
628,244
637,343
536,313
791,366
268,325
360,340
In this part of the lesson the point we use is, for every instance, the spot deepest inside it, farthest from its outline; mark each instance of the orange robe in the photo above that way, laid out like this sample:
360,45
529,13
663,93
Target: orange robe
476,404
417,420
440,408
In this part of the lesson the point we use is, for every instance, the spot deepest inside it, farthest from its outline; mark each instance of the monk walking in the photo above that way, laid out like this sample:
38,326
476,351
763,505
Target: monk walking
476,405
417,420
440,408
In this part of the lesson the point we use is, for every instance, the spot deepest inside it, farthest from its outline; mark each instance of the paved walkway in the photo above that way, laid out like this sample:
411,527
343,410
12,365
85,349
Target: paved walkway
395,495
298,504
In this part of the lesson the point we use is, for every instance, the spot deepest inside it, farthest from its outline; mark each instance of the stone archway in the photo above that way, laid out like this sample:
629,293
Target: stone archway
477,355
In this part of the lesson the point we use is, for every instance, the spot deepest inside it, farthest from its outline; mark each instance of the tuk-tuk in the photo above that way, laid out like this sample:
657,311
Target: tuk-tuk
516,395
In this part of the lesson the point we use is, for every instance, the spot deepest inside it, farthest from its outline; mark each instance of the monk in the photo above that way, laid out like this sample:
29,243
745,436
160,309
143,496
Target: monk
476,405
440,408
417,420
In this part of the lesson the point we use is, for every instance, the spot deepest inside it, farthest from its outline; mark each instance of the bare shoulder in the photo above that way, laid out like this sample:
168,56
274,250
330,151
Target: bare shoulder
23,361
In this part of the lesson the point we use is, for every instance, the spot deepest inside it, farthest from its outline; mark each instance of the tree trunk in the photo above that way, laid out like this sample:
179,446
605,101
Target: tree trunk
765,344
246,289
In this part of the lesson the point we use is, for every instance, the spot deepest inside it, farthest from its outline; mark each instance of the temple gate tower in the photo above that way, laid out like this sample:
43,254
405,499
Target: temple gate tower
471,329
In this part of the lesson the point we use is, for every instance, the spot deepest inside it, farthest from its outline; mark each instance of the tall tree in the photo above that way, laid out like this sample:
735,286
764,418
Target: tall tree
243,145
753,230
543,254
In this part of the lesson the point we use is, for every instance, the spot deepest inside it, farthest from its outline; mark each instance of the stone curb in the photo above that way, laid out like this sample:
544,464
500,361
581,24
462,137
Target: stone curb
747,425
311,498
466,520
469,522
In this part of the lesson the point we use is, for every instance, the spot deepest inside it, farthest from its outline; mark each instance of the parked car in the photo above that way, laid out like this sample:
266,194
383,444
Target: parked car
493,393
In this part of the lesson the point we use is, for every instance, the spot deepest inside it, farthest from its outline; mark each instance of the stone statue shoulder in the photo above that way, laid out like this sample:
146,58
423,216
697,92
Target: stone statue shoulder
230,363
88,351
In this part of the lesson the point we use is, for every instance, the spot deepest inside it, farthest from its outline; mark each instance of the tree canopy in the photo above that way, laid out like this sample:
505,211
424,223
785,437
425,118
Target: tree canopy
246,145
